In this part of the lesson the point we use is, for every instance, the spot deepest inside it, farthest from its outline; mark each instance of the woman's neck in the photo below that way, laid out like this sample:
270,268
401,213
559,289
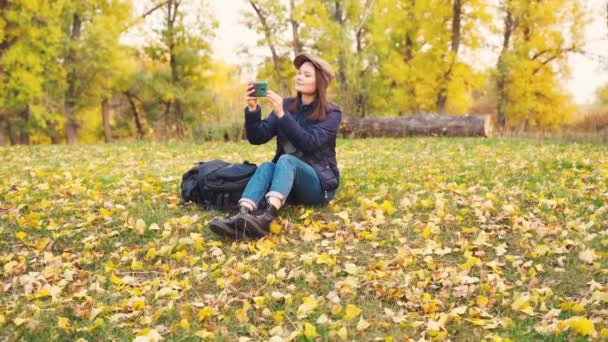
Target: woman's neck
308,99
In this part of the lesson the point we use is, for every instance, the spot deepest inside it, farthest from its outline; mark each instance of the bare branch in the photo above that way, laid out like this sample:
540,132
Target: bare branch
144,15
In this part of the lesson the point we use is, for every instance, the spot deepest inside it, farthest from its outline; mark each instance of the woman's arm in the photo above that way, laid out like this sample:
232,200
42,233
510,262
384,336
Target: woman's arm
259,131
315,136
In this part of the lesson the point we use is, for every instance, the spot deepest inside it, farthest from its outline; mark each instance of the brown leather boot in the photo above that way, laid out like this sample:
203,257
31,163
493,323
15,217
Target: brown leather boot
226,227
257,226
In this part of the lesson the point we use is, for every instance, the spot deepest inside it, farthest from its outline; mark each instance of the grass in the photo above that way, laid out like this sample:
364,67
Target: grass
430,238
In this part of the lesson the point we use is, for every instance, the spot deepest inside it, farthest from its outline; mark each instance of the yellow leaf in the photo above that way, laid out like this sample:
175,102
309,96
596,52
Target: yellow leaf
241,314
426,232
63,323
279,316
115,280
522,303
324,259
587,256
351,268
204,313
308,305
604,332
362,325
482,301
342,333
151,254
184,324
137,265
471,261
205,335
344,216
577,308
310,331
459,310
388,208
19,321
109,266
105,213
147,335
275,228
42,293
20,235
600,296
335,309
138,303
308,234
581,326
140,227
351,312
41,244
165,292
322,319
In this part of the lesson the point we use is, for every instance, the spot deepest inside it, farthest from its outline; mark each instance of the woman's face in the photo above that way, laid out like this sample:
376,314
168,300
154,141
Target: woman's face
306,83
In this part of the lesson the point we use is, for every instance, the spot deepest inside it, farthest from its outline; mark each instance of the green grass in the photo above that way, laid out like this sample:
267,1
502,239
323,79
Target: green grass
417,209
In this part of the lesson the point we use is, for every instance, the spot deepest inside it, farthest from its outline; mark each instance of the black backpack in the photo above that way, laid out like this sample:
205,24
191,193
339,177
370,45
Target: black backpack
216,184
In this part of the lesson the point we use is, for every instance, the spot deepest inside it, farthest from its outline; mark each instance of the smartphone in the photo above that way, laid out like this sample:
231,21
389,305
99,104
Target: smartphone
260,89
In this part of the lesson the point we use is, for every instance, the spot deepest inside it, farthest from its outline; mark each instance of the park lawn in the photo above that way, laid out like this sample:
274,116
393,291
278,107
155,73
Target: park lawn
429,238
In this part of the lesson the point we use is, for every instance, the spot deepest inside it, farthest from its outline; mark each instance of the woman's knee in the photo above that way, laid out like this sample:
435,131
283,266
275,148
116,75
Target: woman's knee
287,158
266,166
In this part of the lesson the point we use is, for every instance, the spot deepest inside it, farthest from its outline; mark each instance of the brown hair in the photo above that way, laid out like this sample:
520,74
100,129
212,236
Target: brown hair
320,104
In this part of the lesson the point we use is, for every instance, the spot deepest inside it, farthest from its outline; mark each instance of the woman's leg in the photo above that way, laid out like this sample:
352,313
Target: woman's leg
290,175
295,177
254,192
258,185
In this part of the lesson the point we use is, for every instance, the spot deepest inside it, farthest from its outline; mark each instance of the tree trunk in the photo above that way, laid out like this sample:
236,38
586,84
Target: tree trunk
430,124
52,132
442,96
24,134
408,55
503,71
105,117
136,115
2,132
171,18
275,57
12,135
338,17
71,124
297,45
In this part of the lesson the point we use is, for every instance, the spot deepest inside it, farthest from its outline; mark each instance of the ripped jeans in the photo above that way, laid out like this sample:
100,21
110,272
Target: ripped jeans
290,179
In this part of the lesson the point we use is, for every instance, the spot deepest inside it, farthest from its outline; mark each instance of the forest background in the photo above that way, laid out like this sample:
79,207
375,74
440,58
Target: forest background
104,70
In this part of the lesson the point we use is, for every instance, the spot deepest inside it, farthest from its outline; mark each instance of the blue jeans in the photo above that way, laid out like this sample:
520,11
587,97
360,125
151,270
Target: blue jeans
290,179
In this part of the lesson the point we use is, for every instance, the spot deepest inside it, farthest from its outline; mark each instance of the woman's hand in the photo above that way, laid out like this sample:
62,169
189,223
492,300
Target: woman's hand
277,103
252,102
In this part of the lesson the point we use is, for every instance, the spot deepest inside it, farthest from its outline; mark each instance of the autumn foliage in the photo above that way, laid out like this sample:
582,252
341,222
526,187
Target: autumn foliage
428,238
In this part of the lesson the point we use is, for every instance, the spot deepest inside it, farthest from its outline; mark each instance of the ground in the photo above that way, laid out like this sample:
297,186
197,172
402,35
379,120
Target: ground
428,238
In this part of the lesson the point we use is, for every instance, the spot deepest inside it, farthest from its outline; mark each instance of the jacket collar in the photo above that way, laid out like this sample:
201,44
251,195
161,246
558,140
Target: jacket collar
307,108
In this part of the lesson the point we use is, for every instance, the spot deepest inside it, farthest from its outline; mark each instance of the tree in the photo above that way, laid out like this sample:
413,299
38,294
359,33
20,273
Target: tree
468,17
537,39
92,57
179,61
269,21
29,46
339,32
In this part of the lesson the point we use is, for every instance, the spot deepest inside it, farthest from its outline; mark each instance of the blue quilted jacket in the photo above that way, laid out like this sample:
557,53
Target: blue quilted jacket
315,141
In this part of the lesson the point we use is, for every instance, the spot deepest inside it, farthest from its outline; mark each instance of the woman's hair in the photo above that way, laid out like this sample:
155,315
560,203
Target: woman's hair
321,104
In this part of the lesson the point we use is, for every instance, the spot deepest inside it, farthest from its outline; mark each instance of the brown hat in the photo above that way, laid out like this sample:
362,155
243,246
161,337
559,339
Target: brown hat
317,61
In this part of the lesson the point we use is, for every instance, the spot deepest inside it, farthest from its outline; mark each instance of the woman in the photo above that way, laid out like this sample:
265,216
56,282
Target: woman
304,168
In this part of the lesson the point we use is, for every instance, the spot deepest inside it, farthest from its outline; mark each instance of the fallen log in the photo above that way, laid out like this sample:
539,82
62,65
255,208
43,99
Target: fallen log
427,124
